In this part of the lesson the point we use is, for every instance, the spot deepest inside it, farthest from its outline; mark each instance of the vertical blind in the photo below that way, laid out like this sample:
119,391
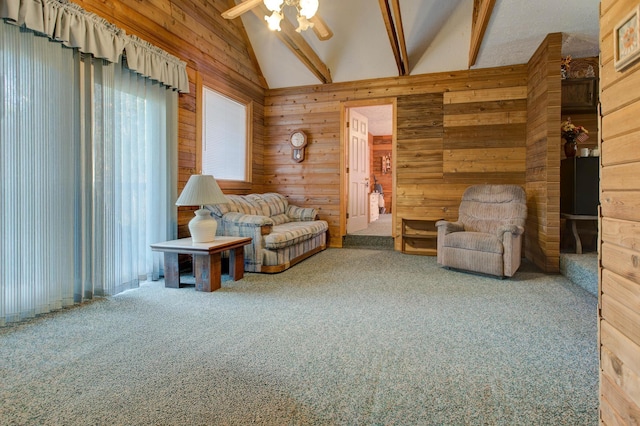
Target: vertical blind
38,142
86,179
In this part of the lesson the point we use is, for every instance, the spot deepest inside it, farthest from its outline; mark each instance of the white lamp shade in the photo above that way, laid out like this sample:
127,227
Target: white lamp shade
201,190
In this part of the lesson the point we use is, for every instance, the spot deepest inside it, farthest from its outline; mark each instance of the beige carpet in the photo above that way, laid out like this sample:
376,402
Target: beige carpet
347,337
380,227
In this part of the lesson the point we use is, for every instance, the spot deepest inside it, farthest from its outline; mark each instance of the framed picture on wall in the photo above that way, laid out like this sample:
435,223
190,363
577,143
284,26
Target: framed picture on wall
626,40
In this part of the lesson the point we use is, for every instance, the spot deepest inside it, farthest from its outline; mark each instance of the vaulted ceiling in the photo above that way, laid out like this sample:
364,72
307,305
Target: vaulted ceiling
438,35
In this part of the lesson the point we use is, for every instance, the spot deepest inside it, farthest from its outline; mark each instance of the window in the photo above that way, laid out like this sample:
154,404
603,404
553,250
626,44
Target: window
226,136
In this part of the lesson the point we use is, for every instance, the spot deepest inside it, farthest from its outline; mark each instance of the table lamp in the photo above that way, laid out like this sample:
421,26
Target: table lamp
199,191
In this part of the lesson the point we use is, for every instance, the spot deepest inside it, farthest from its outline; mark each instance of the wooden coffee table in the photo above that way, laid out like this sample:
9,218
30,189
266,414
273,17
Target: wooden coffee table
206,260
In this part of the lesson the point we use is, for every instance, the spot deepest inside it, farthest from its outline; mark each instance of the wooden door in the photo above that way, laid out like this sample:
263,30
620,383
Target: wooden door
358,156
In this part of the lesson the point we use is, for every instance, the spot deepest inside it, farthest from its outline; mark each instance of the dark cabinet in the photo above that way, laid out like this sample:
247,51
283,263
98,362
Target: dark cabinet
579,95
579,185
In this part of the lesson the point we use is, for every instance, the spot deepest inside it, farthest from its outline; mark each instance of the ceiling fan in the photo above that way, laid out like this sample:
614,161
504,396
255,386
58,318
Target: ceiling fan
306,14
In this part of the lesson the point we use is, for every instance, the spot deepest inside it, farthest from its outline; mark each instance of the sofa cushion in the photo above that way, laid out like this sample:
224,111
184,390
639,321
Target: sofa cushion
291,233
256,201
279,219
477,241
239,204
301,213
275,203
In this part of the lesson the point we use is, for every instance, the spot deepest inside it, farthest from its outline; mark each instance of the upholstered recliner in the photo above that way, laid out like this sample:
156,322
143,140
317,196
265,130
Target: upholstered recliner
487,237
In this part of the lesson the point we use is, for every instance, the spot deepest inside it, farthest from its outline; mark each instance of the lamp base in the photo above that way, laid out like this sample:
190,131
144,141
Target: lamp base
203,227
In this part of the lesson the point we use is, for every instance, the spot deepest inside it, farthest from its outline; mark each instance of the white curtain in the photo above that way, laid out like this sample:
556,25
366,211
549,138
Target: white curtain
87,175
132,178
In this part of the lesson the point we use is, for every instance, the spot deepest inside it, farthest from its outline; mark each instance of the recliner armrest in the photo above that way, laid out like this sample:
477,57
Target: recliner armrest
512,229
449,227
444,228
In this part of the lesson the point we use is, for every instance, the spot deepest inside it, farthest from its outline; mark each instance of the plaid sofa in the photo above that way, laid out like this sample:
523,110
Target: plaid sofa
282,234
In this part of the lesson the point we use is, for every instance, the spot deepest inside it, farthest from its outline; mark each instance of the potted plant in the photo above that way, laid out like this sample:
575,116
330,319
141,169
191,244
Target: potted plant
572,134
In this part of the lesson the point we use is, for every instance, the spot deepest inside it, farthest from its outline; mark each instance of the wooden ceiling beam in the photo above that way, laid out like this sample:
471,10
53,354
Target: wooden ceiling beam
482,10
396,34
298,45
400,33
239,9
322,30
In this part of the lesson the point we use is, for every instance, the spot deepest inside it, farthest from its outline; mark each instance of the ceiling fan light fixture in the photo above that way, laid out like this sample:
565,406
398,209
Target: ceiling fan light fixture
274,20
303,24
308,8
273,5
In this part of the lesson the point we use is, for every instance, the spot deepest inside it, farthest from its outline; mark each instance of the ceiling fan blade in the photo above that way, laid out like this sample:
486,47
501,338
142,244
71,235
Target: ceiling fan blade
241,8
320,28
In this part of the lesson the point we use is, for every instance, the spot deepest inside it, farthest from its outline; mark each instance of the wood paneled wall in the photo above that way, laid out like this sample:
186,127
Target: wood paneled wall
420,159
542,238
216,52
453,130
619,300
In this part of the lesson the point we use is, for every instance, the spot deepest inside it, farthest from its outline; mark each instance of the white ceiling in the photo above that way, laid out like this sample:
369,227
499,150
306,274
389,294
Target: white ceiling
517,28
380,118
437,33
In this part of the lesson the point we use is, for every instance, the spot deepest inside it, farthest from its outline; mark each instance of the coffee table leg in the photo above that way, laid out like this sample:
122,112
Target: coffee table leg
208,271
171,270
236,263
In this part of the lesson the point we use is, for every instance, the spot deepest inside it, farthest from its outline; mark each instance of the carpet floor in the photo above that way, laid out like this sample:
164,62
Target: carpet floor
347,337
380,227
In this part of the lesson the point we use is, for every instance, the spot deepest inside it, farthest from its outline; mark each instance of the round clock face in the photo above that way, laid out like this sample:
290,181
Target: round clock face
297,139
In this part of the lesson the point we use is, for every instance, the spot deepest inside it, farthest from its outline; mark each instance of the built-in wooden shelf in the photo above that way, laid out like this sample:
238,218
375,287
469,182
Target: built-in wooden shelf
419,236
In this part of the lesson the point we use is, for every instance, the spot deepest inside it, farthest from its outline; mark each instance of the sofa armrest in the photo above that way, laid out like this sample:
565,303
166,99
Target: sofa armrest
248,225
247,219
242,225
301,214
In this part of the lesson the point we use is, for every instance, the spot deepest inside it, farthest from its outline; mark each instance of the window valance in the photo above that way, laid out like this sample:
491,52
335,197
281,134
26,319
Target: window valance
68,23
153,62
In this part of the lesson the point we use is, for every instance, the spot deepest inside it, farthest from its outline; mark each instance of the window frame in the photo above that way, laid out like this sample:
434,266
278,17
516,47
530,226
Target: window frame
211,84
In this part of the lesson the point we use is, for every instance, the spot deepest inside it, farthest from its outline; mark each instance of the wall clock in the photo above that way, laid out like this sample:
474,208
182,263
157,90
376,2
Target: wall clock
298,141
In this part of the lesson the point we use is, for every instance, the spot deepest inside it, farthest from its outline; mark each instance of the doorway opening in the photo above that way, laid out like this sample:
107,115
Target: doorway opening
369,158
